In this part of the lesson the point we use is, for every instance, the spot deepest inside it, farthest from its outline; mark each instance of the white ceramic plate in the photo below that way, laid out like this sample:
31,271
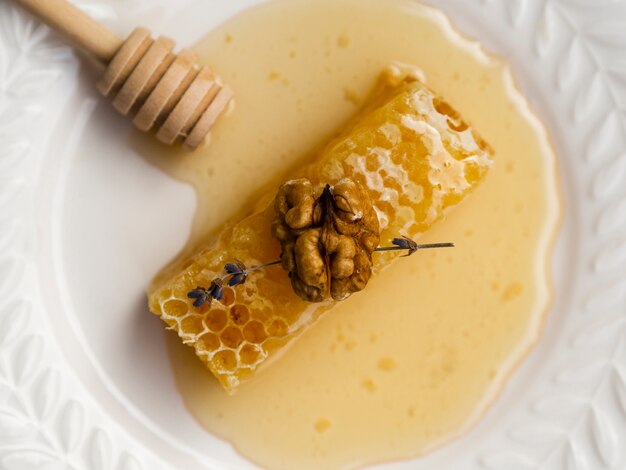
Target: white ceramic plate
82,383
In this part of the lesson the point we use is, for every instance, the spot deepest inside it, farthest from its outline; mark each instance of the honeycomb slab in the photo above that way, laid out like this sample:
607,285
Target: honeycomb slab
416,157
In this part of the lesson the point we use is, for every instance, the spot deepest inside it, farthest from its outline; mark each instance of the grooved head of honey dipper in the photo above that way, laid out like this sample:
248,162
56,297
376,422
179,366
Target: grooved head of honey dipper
164,91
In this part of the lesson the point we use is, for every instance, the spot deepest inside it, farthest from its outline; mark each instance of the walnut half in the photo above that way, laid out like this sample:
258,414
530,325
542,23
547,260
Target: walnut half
327,236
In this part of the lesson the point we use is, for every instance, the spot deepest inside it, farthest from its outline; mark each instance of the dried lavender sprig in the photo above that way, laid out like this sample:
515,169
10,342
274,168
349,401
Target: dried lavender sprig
202,295
405,243
238,271
419,247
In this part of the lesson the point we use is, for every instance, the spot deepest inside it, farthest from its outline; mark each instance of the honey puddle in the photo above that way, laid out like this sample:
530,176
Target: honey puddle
414,360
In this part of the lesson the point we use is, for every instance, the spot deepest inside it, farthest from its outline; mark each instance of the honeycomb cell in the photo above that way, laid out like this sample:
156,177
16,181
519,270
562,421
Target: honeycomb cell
225,360
229,297
180,292
249,354
371,163
175,308
454,119
216,320
254,332
231,337
239,314
209,342
192,324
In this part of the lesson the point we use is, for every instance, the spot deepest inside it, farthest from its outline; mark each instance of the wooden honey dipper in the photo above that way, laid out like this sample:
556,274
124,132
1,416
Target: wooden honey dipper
146,80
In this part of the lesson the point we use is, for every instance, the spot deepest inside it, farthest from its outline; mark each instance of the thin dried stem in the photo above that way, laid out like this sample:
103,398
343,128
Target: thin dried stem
266,265
424,246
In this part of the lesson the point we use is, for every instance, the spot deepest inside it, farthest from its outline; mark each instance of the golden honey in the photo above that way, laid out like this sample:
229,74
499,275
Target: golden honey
414,360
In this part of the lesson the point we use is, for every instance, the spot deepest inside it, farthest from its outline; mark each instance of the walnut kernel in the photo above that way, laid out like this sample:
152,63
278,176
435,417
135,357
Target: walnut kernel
327,236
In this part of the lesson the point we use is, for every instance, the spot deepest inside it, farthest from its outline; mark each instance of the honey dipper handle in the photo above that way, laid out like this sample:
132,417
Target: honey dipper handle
81,29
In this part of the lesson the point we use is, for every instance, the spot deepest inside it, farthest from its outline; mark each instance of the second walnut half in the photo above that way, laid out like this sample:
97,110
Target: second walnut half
327,235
